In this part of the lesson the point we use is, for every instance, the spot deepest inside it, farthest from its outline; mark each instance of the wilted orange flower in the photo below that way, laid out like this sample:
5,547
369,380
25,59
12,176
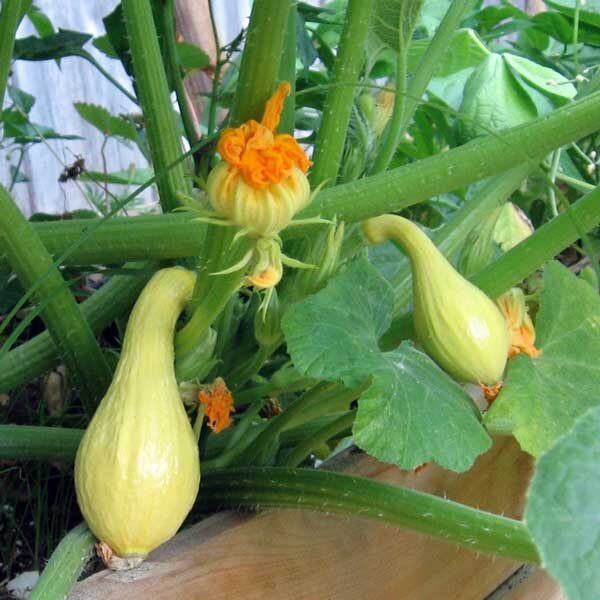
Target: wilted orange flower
521,329
263,157
218,405
490,392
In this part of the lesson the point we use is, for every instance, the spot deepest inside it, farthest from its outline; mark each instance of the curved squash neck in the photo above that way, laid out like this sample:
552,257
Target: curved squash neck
419,248
152,321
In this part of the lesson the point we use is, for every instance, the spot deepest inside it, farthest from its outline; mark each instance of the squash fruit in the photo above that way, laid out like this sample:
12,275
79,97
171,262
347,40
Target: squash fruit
137,469
457,324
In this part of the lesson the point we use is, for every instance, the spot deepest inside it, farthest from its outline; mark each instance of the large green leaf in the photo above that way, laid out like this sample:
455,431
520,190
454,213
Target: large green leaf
543,396
108,124
413,412
563,507
493,99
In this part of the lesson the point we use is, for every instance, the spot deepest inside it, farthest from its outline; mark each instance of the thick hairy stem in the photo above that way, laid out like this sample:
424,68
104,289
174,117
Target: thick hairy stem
338,105
334,493
153,91
391,191
257,78
10,17
65,565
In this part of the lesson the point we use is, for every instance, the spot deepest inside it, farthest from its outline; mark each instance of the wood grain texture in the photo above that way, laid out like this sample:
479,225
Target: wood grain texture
303,555
529,583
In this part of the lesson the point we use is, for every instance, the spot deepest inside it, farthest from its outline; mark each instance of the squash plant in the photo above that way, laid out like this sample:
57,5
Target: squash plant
404,108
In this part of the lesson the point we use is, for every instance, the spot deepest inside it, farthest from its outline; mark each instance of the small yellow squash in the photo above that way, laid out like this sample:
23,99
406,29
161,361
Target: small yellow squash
457,324
137,470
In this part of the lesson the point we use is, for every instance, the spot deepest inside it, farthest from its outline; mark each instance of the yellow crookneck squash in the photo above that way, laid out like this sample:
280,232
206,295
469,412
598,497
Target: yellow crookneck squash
137,470
457,324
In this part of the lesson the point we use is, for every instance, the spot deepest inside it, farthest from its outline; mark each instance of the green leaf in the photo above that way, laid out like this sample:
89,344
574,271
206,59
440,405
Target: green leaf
388,259
413,412
589,11
41,23
191,56
431,15
22,100
108,124
393,21
493,100
18,126
307,52
105,46
58,45
548,81
563,506
11,291
555,25
543,396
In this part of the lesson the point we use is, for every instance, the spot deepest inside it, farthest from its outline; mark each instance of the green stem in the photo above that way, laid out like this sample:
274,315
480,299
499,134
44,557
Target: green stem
38,355
576,36
577,184
287,72
212,111
22,442
404,186
260,60
390,191
433,55
303,450
153,91
552,178
403,113
65,565
212,294
335,493
176,235
522,260
547,241
10,17
340,98
394,131
63,318
168,18
273,387
244,371
258,72
322,399
87,56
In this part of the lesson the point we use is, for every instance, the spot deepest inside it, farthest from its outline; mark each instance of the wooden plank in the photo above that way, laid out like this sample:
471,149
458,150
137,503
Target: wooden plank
304,555
529,583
